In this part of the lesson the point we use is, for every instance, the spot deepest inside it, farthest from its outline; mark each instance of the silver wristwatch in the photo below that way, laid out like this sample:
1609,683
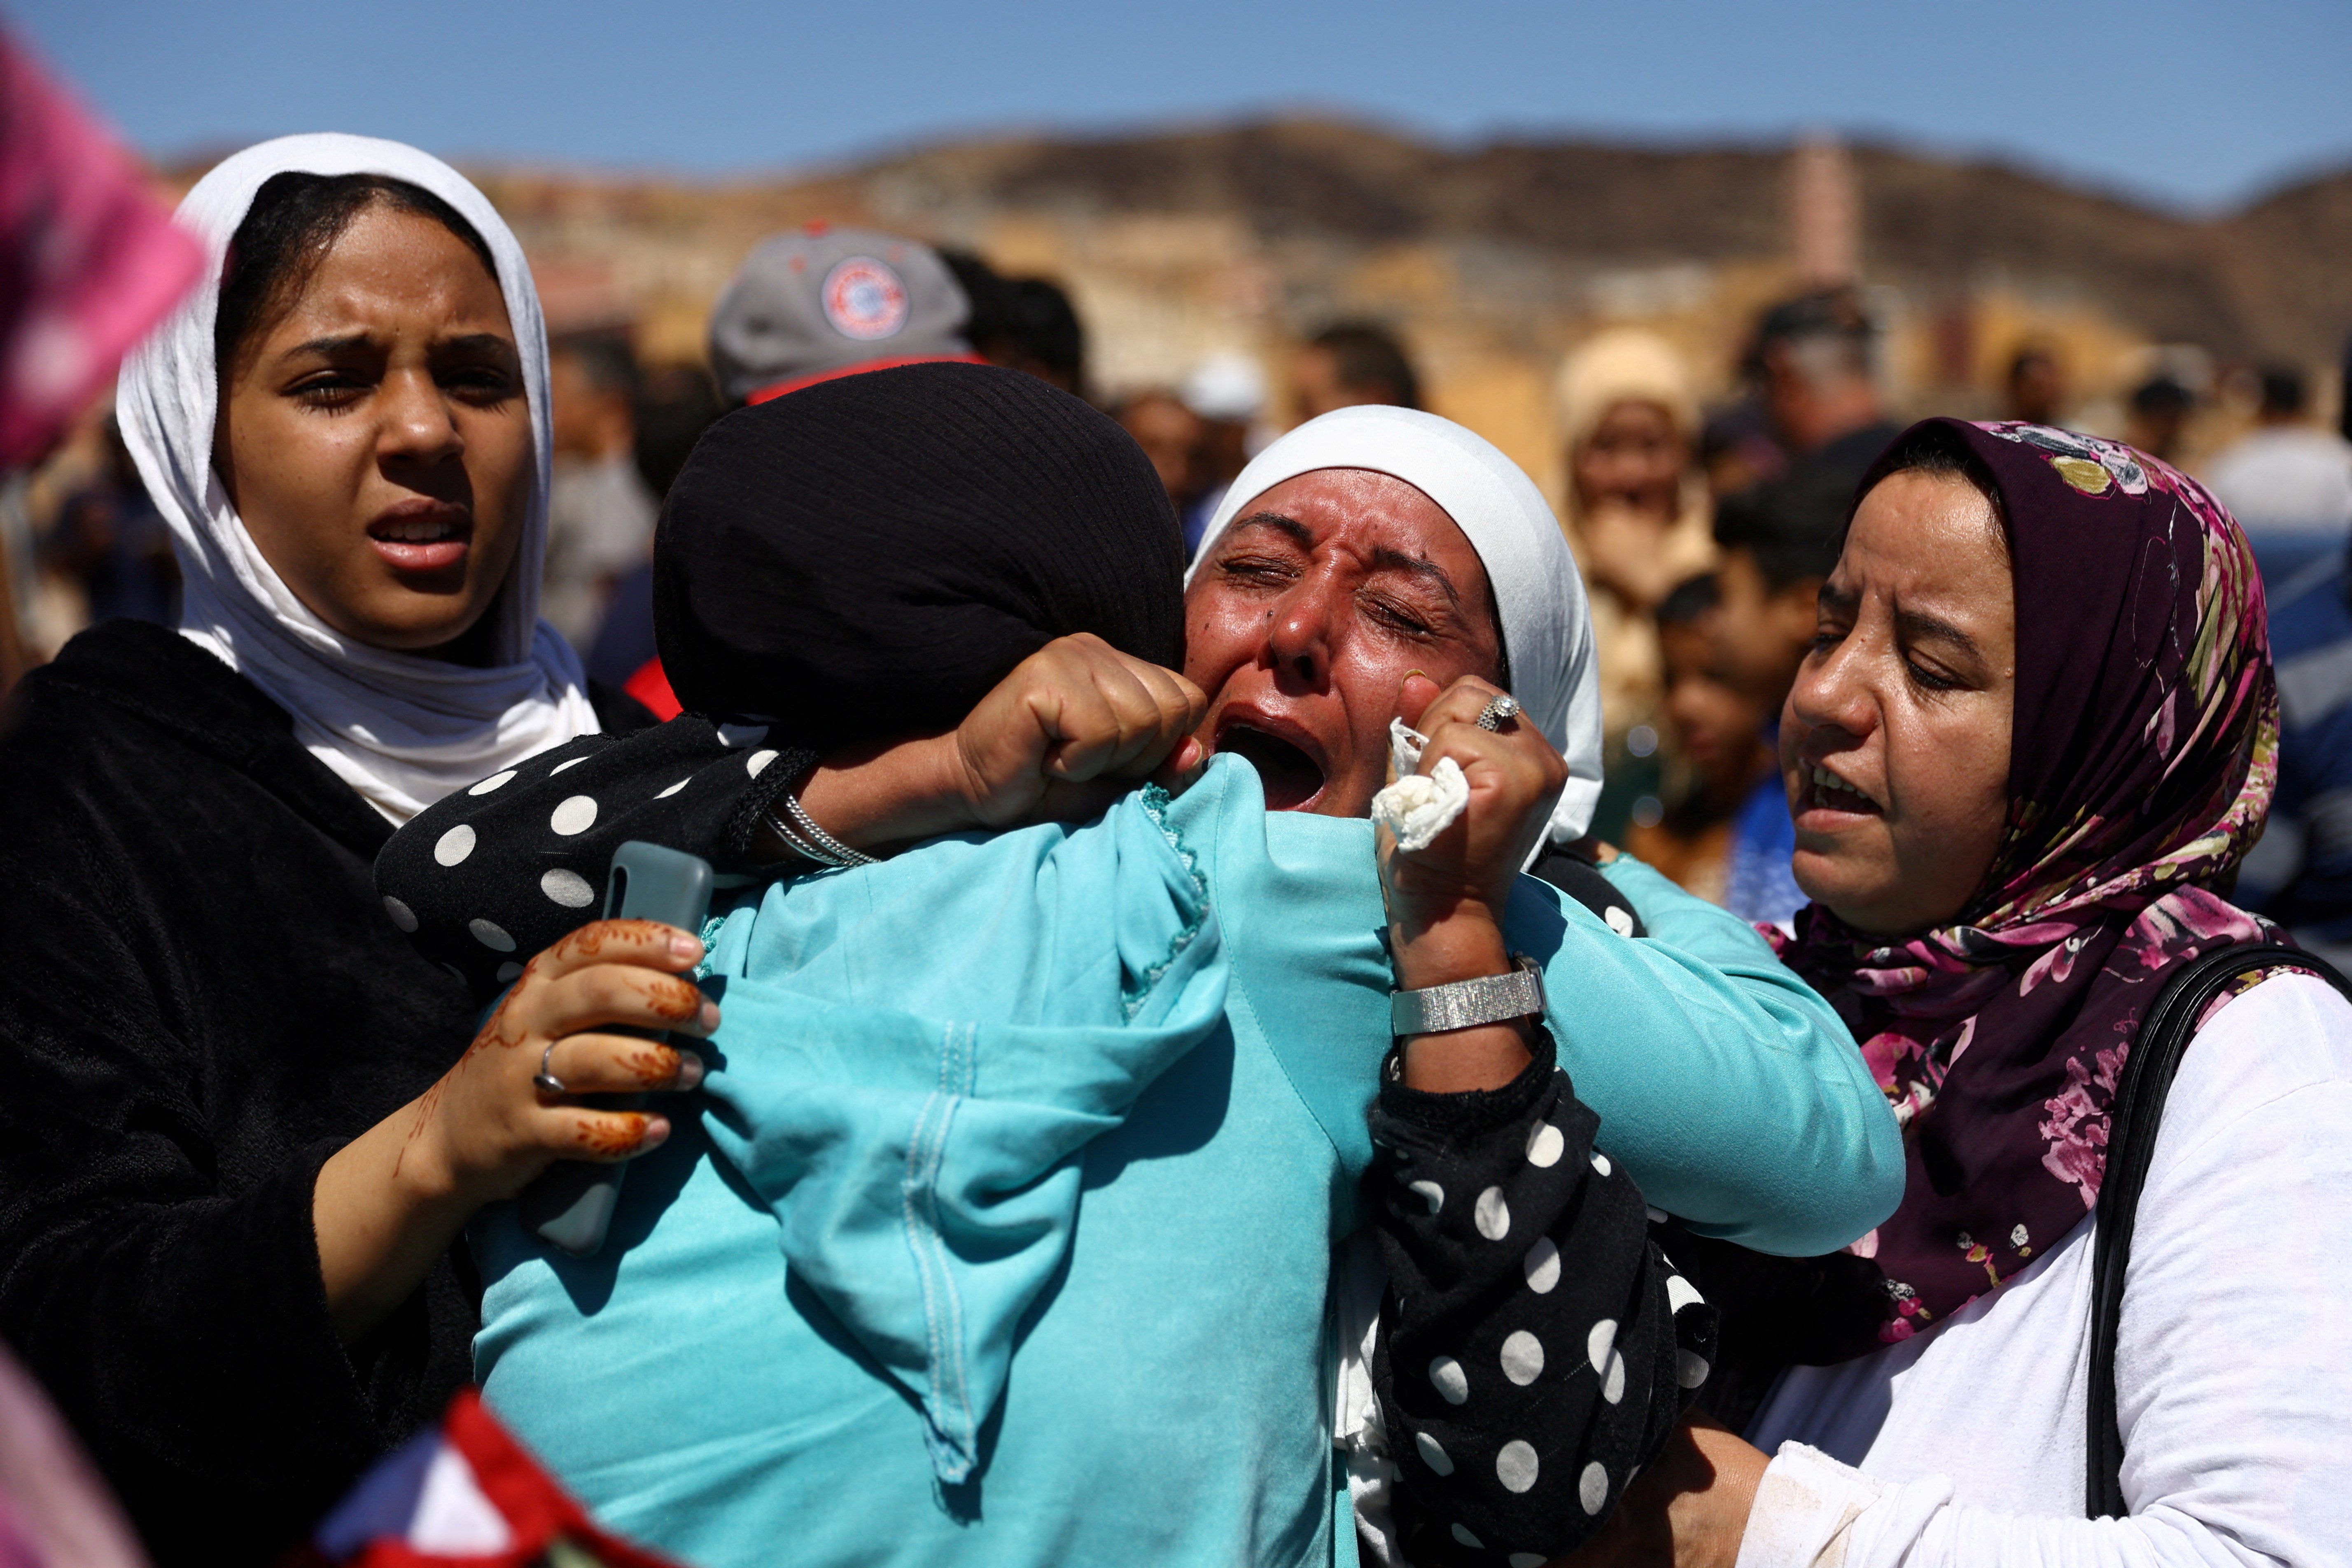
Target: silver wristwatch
1490,999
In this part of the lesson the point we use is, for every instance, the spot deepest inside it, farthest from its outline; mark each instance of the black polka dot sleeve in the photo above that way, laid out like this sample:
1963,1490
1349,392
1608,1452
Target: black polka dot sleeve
494,873
1535,1348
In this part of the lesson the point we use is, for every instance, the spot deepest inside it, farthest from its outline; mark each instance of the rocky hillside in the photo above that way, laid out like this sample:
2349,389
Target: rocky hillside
2274,279
1494,259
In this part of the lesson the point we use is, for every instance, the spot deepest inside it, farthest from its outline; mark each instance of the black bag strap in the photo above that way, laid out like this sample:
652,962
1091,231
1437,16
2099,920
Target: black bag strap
2134,1117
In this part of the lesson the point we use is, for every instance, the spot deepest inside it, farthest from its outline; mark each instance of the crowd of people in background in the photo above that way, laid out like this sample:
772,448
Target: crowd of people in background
1036,733
1703,532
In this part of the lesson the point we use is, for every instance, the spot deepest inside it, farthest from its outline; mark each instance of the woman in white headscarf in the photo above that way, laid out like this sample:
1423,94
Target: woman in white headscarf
1454,567
228,1178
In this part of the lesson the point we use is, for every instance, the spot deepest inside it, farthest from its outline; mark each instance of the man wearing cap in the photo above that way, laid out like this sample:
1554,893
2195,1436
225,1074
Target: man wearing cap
826,302
812,305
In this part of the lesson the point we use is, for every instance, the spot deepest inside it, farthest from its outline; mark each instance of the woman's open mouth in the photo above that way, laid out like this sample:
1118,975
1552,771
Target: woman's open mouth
1825,791
422,536
1291,778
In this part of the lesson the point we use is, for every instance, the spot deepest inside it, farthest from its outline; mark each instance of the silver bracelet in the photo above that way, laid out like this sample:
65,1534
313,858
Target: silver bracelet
806,839
1465,1003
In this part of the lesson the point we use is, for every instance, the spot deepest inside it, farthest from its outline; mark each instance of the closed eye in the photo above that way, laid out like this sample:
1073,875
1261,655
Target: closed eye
1396,616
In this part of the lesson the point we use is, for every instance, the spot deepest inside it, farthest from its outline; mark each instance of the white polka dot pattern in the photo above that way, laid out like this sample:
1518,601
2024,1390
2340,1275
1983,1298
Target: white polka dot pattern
495,781
454,845
491,936
1600,1164
1432,1455
1545,1145
577,814
1461,1534
1493,1214
569,888
1619,919
401,915
1516,1466
1592,1487
1431,1192
1601,1343
756,763
509,973
1690,1368
1446,1375
1680,1293
1523,1358
559,767
1526,1559
1542,1266
676,787
1613,1380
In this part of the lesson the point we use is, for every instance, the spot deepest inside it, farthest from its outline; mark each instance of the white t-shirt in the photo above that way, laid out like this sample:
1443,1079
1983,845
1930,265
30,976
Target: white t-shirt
1963,1448
2286,480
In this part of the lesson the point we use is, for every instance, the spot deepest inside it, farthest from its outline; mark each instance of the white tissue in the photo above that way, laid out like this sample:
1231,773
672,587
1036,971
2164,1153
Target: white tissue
1419,806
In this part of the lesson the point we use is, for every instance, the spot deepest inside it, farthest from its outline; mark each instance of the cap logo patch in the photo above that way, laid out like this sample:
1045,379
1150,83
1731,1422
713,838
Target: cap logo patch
863,298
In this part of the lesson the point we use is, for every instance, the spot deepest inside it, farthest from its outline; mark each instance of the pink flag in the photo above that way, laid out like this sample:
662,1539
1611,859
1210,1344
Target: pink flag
89,259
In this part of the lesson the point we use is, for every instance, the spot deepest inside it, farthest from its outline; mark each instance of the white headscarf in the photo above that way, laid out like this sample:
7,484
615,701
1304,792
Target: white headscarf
401,729
1547,629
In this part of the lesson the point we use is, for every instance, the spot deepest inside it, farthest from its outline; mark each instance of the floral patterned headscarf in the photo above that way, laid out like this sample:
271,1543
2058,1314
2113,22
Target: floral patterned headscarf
2142,759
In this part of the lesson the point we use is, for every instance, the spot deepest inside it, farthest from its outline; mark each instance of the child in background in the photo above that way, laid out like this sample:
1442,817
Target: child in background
1719,733
1777,548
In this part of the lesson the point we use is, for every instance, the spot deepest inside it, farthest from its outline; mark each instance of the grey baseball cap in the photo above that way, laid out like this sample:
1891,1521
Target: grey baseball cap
807,306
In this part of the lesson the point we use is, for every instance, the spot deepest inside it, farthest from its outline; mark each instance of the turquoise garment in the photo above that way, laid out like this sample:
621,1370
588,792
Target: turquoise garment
809,1292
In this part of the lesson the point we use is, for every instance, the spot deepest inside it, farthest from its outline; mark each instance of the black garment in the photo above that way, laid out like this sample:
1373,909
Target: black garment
204,999
624,640
524,882
538,840
1536,1347
868,557
1817,493
527,878
1575,869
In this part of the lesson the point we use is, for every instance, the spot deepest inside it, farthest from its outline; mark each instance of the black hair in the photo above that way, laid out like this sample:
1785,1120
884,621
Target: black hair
674,406
1825,329
1045,325
1027,323
2161,396
1792,528
987,310
1364,356
605,358
2283,394
1689,599
294,221
2028,357
1938,451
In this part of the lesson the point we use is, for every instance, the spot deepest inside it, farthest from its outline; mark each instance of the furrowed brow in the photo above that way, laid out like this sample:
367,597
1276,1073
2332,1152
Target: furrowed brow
1290,528
1387,560
1834,601
1917,626
331,345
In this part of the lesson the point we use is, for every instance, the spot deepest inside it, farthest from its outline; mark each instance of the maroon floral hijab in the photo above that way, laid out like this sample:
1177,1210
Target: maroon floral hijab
2141,766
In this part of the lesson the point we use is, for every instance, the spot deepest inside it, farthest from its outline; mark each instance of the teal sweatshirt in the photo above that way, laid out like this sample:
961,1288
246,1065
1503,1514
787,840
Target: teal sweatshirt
1004,1236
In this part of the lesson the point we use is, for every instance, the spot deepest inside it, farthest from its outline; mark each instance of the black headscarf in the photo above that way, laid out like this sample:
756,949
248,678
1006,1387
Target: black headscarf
868,556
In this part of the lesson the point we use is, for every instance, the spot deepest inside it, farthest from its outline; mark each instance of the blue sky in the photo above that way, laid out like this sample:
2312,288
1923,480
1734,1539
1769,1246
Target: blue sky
2194,104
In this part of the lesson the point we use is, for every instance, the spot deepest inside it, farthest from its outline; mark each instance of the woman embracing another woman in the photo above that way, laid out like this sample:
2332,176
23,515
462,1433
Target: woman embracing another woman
226,1197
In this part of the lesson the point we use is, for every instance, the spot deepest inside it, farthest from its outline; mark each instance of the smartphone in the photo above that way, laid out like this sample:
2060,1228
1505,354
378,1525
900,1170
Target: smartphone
572,1205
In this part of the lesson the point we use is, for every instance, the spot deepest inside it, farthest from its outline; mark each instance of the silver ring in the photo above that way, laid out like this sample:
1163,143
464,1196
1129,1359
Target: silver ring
546,1082
1499,707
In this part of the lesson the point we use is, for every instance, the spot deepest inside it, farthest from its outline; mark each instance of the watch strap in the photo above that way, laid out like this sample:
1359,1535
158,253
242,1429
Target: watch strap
1466,1004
